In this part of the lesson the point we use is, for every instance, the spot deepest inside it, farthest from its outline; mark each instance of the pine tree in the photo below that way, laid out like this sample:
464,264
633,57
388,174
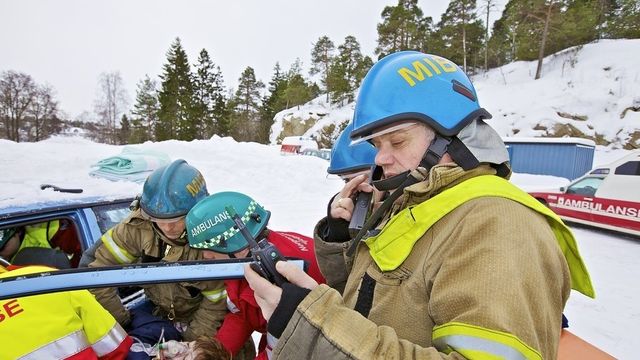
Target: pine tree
176,118
348,69
124,131
145,111
297,91
274,102
321,57
403,27
247,106
209,101
460,32
624,20
537,28
581,21
488,6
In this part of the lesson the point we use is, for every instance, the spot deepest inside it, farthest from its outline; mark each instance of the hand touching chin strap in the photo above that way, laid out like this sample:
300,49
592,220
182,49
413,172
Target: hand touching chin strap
431,157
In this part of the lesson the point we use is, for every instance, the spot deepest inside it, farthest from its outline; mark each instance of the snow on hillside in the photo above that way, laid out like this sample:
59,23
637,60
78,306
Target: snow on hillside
596,81
318,112
593,84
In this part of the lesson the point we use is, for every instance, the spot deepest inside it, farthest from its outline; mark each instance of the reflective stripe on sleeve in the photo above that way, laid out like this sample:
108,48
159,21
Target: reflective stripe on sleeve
477,342
62,348
215,295
121,255
110,341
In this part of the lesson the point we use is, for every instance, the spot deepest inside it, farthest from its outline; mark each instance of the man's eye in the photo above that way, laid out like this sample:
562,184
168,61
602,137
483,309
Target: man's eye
397,143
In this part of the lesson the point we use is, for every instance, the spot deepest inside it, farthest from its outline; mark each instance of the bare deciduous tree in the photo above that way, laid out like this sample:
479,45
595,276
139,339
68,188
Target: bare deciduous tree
111,102
17,91
42,110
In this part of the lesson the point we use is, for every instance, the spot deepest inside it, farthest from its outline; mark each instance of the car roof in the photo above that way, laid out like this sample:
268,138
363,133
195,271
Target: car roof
45,206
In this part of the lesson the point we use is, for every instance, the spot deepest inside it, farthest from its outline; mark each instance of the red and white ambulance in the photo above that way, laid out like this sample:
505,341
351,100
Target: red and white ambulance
294,145
607,197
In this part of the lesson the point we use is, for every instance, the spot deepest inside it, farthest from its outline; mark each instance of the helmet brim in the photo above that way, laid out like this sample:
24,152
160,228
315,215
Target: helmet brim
371,129
155,219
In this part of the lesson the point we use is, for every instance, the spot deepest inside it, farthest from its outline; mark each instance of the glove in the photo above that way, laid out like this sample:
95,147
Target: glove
177,350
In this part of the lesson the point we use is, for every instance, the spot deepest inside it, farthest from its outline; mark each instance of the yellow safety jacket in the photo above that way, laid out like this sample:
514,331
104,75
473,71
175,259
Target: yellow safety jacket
62,325
394,243
39,235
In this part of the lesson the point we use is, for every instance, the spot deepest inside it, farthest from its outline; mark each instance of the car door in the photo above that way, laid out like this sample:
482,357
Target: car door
578,201
80,223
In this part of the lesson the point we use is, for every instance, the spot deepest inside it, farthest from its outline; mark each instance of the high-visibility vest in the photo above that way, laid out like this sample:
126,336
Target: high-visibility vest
394,243
39,235
391,247
63,325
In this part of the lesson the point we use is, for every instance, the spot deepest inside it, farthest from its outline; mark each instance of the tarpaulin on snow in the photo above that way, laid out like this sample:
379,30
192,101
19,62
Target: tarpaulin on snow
132,164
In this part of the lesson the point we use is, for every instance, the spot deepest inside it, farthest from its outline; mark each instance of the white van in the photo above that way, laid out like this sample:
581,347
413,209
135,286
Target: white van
607,197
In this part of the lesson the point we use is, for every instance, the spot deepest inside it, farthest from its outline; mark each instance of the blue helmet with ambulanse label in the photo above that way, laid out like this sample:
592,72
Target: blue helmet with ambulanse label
171,191
410,85
347,158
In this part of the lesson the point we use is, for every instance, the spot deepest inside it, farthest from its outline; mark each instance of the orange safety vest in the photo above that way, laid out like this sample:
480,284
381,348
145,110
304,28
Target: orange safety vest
63,325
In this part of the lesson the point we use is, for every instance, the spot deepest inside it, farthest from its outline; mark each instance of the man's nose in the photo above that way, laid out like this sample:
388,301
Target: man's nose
383,157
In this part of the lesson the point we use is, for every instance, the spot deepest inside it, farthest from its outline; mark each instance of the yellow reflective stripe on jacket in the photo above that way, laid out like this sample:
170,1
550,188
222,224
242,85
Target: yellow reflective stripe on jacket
394,243
121,255
474,342
215,295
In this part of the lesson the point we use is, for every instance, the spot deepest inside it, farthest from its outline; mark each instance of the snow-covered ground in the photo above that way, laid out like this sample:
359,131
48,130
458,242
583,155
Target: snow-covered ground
296,189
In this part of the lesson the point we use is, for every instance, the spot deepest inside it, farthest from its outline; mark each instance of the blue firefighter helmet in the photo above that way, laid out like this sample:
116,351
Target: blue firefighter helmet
349,159
171,191
411,85
210,227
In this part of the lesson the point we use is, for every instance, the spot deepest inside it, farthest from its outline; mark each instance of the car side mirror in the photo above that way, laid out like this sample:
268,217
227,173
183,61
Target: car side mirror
563,189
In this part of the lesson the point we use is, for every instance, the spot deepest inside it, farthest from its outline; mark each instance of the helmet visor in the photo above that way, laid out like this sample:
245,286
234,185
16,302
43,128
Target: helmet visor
383,131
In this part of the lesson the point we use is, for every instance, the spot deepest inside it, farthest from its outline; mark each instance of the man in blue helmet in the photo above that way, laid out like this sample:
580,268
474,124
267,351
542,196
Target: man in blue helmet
348,161
155,231
456,262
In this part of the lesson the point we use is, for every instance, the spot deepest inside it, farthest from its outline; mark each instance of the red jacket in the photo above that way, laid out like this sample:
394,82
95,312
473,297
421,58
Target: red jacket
244,315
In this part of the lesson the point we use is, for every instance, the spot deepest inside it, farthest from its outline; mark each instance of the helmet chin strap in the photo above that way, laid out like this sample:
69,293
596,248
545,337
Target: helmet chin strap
431,157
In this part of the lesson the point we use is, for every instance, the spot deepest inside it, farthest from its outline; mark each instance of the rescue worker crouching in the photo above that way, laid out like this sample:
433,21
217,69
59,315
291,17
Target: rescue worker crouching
460,263
212,231
156,232
57,234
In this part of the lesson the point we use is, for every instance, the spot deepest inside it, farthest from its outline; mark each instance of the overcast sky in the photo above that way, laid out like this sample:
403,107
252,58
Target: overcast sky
68,43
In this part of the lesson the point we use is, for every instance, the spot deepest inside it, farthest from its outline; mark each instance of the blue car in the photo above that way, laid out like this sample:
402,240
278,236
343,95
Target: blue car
83,220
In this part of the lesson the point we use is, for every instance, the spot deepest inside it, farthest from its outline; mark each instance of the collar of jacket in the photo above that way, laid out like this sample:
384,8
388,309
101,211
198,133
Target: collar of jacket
440,178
